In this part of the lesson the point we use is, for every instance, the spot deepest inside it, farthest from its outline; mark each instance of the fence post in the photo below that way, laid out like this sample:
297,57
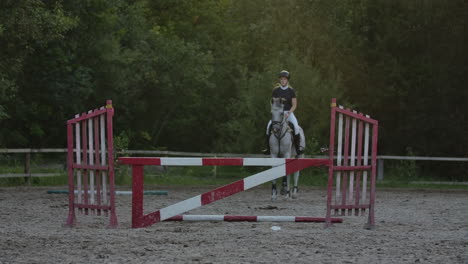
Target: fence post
380,169
27,168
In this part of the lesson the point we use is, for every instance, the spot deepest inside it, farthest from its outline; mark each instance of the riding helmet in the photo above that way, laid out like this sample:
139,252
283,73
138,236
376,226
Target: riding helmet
284,74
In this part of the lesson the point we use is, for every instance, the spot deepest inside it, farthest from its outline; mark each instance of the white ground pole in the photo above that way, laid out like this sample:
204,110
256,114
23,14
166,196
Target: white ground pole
366,162
339,157
266,218
103,157
78,159
90,157
353,160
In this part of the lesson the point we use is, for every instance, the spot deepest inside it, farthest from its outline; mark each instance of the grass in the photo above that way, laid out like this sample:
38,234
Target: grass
392,184
202,176
216,176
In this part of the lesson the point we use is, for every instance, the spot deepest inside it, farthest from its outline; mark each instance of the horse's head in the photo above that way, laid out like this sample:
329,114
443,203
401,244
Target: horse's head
277,110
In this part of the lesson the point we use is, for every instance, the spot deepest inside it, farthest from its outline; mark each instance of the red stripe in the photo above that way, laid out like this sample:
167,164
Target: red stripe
237,218
350,206
140,161
86,116
223,161
89,167
92,206
148,220
176,218
350,113
331,164
293,165
351,168
317,219
222,192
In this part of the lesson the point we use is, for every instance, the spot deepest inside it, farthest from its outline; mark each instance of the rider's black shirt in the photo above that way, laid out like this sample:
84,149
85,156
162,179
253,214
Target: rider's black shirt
287,94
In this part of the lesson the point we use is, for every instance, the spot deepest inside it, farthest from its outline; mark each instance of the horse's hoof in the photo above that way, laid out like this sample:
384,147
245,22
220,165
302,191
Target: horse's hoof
283,191
273,198
294,193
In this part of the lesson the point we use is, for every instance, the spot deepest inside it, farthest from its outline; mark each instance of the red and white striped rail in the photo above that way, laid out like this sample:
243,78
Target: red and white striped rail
290,164
248,218
281,167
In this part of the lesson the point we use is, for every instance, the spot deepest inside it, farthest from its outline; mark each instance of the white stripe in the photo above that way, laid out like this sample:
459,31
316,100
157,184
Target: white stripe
353,159
264,161
78,158
90,157
276,218
181,161
339,158
264,176
203,217
180,207
366,162
103,157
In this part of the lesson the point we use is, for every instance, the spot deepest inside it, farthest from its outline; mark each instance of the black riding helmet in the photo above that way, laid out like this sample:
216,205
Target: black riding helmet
284,74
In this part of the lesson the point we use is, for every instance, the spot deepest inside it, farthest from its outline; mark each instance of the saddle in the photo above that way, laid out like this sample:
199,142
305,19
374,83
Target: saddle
290,125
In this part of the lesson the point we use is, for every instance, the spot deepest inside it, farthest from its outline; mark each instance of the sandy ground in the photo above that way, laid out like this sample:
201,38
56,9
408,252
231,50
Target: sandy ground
412,227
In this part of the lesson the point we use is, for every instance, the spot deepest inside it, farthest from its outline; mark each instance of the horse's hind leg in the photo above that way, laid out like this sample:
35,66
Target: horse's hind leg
273,190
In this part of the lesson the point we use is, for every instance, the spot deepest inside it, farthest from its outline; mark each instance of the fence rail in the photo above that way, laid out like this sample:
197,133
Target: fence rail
29,151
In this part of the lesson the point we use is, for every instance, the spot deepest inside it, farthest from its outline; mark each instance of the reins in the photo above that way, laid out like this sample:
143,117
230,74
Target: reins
281,135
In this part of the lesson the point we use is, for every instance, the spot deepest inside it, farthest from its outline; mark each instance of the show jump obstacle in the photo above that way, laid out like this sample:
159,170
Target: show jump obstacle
349,186
91,164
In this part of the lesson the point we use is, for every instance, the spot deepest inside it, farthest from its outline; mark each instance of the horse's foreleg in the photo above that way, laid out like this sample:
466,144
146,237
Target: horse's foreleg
273,190
285,186
296,181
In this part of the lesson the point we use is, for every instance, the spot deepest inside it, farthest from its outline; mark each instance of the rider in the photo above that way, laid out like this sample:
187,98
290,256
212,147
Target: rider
287,93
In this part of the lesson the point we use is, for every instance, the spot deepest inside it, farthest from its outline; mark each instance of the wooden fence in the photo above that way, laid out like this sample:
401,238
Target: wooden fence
28,174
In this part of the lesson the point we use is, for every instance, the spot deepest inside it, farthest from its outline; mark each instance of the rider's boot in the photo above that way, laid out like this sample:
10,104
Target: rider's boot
267,150
297,143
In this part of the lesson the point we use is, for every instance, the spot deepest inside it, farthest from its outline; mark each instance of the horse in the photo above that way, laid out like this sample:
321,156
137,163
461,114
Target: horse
281,146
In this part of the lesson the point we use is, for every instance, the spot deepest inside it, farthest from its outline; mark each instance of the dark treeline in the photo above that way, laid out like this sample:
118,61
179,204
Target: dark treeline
196,75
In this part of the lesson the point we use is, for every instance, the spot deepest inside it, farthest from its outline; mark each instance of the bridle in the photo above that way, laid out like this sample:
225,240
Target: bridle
278,131
278,128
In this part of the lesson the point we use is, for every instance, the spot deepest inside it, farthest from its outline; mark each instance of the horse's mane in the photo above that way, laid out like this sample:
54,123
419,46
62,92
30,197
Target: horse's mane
276,104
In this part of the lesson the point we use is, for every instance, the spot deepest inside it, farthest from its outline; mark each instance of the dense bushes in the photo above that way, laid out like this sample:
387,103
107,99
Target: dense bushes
197,75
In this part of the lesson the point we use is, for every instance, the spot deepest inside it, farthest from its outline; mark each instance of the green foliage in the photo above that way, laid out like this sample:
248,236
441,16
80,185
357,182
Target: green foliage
196,75
121,141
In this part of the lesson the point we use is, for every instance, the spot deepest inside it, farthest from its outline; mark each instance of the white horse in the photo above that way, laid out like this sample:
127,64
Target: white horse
281,146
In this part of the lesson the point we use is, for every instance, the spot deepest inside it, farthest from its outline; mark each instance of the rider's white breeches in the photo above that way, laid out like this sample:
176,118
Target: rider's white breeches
291,118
